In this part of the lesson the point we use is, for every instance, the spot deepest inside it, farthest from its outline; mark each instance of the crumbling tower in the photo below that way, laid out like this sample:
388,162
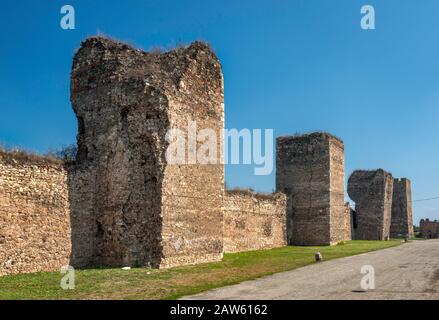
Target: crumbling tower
310,171
402,211
372,192
141,209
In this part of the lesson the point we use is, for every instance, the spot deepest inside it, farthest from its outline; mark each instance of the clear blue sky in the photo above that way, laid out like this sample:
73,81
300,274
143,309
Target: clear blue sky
294,66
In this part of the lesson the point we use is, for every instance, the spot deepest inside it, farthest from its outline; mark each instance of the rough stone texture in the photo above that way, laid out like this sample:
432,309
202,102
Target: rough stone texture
145,211
310,171
429,229
402,211
82,218
34,215
346,231
372,191
254,221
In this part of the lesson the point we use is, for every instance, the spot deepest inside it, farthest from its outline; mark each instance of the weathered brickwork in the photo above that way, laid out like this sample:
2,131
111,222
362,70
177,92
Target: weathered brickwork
340,219
146,211
310,171
402,212
254,221
372,191
34,215
429,229
344,231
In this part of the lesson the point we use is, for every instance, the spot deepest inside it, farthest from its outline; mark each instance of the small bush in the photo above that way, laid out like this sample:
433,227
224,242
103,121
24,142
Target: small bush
16,154
66,154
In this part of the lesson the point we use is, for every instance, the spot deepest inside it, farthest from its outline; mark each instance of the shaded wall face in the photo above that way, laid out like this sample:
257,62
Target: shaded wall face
372,192
253,222
34,217
82,217
402,212
303,173
120,145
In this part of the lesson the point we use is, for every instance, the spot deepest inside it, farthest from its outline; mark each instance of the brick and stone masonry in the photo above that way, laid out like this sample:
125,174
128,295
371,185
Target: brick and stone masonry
254,221
429,229
310,171
402,211
145,211
34,214
372,192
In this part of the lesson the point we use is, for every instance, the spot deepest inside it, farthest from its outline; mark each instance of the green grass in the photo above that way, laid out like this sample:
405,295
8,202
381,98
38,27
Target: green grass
143,283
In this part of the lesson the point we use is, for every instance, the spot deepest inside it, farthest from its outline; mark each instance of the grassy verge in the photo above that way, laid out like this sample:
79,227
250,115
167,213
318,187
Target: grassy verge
143,283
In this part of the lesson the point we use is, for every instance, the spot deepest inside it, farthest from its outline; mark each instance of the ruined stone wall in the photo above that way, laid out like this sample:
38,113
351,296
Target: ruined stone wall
254,221
310,171
340,218
429,229
402,212
372,192
146,211
34,214
82,218
193,193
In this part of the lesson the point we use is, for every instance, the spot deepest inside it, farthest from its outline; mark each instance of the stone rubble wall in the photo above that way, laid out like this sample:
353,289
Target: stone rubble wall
340,218
372,191
35,223
254,221
83,221
121,122
310,171
402,209
147,212
192,194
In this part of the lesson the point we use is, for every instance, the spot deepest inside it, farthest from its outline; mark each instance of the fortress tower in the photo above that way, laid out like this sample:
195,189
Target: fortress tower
141,210
402,211
429,229
310,171
372,191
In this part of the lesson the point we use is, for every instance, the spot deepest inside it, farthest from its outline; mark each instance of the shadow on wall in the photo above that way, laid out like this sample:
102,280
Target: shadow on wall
115,215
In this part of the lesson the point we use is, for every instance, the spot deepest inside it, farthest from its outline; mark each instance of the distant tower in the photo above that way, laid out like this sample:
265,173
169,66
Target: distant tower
402,212
141,209
310,170
372,192
429,229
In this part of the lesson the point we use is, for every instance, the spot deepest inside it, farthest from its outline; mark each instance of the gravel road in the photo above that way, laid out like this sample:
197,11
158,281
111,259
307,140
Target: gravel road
409,271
